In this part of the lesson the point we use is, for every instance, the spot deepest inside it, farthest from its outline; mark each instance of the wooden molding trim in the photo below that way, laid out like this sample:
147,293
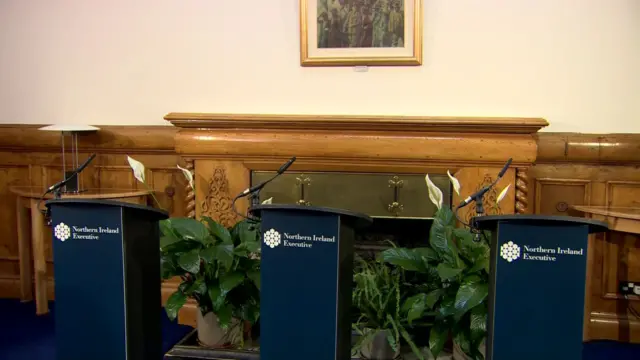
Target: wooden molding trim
411,141
364,123
113,139
588,148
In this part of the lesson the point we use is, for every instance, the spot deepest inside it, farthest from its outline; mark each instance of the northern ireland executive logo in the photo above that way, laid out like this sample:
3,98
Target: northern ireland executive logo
510,251
62,231
272,238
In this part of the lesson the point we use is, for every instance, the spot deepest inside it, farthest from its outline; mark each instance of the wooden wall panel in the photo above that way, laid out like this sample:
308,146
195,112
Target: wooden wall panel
32,158
576,169
570,169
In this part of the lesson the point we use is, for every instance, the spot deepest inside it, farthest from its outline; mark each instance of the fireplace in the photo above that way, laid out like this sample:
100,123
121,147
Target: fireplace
370,164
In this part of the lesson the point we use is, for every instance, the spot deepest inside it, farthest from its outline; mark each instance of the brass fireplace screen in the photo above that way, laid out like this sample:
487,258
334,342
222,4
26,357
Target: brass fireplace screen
377,195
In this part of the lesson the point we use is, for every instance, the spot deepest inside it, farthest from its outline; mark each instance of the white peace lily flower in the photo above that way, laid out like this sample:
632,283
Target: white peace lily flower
435,194
503,193
454,182
188,175
137,167
268,201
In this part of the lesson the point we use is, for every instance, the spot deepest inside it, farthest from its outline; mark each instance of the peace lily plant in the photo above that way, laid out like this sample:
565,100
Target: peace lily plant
449,280
219,268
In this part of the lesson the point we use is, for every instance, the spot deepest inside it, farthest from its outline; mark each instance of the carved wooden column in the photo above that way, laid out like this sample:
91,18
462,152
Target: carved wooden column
190,199
522,191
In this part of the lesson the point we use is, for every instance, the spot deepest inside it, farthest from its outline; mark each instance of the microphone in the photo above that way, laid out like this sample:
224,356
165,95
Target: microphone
280,171
480,193
75,172
255,190
55,187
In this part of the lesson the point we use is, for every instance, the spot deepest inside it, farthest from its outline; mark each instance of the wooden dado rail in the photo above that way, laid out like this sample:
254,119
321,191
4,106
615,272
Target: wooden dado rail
550,171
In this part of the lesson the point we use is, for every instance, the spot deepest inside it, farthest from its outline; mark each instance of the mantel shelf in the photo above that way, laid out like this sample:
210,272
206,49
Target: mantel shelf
495,125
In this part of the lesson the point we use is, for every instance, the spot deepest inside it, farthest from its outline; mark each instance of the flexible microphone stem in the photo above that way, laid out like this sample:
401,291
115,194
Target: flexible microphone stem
254,191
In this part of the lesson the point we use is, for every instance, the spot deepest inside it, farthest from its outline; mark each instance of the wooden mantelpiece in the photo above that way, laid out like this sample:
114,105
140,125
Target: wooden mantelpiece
225,148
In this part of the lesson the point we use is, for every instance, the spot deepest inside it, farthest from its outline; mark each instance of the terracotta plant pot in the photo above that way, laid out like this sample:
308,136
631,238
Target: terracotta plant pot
210,334
379,348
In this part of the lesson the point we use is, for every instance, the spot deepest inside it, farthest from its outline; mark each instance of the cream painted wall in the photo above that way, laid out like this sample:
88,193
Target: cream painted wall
574,62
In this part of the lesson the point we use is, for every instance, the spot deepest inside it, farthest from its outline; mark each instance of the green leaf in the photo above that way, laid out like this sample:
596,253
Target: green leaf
427,253
224,314
216,296
218,292
480,264
191,229
168,240
245,231
471,293
446,272
440,236
229,281
255,277
218,231
404,258
246,248
174,304
477,253
478,323
224,254
165,227
190,261
250,312
447,306
209,254
197,287
168,267
462,339
433,297
437,338
415,307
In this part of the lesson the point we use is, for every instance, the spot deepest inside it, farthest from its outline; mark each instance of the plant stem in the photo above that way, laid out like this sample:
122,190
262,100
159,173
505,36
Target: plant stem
153,195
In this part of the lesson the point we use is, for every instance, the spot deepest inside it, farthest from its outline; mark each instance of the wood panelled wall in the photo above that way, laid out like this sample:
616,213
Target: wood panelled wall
29,157
571,169
576,169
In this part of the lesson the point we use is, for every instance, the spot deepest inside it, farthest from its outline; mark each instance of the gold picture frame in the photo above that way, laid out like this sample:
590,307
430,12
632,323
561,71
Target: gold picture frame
325,39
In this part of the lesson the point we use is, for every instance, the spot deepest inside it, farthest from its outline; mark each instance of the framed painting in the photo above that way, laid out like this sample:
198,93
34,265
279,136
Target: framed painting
360,32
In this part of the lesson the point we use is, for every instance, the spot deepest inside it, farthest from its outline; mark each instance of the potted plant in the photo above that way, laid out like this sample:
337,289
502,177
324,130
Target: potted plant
455,273
220,270
383,316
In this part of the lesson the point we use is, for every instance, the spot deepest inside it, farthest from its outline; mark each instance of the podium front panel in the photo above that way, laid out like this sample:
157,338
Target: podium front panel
536,307
306,274
90,312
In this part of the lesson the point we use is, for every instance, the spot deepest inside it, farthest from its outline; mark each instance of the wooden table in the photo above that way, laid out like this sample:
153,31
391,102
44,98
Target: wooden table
613,257
28,202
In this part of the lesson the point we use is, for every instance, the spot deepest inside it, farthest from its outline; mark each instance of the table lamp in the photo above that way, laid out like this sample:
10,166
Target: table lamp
74,185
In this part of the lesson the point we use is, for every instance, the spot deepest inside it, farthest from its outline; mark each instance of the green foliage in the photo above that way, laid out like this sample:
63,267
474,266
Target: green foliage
219,267
453,278
378,296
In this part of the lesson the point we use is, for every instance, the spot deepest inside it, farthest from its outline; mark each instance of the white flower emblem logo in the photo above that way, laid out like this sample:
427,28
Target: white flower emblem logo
272,238
62,231
510,251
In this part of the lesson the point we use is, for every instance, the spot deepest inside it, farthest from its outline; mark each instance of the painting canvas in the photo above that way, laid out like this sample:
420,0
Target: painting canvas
360,32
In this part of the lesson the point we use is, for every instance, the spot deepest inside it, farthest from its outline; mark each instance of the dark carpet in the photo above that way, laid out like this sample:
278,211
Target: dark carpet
25,336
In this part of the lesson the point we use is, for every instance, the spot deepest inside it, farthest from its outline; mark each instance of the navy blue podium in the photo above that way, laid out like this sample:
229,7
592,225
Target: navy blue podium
537,285
306,279
107,280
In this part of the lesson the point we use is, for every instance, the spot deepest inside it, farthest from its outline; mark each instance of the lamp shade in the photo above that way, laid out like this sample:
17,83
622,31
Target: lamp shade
69,128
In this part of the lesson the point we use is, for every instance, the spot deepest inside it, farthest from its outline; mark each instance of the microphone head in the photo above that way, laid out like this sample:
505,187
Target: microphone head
505,168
